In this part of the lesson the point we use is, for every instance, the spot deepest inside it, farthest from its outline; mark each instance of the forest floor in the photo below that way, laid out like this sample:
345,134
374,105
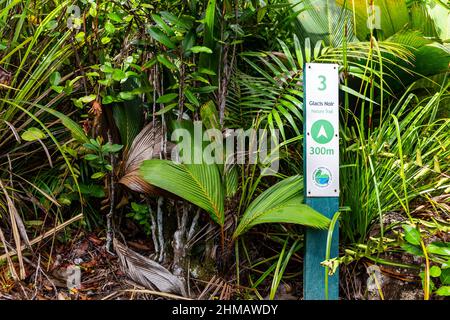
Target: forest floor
103,279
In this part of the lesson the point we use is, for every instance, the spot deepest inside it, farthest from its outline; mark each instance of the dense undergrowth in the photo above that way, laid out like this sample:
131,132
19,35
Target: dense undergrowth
91,93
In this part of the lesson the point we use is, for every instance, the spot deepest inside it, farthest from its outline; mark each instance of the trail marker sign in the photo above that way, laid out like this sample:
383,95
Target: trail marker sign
322,130
321,172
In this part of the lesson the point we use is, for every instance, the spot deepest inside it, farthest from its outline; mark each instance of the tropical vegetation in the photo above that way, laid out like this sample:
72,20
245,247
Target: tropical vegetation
93,95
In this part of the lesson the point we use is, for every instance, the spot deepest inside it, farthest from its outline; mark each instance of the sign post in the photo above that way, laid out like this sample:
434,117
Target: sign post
321,173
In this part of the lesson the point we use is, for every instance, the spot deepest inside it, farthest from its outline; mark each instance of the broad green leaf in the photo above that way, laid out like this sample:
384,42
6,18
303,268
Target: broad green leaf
112,148
106,68
182,24
209,115
281,203
105,40
98,175
198,49
440,248
55,78
168,97
119,75
58,89
191,97
109,27
126,95
200,184
166,109
90,157
107,99
445,276
115,17
412,235
411,249
443,291
159,36
128,114
33,134
80,36
87,99
446,264
208,34
166,62
435,271
160,22
390,16
93,9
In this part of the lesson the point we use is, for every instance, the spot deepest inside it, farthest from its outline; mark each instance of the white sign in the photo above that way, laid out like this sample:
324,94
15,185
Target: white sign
322,129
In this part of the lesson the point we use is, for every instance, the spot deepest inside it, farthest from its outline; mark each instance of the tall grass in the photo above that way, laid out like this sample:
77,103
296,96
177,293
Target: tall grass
404,159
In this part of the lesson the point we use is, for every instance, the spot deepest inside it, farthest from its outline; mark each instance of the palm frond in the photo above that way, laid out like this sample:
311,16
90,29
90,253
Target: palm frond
281,203
200,184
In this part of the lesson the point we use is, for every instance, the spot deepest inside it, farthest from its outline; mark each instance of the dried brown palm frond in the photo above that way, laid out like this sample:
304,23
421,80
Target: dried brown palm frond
17,228
148,144
147,272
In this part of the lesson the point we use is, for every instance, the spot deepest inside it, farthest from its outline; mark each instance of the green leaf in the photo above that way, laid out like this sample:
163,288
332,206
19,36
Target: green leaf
128,114
166,109
160,22
191,97
166,62
446,264
168,97
119,75
206,71
87,99
411,249
208,35
106,68
393,16
198,49
281,203
33,134
90,157
209,115
126,95
51,25
107,99
445,276
200,184
181,24
440,248
80,36
443,291
109,27
55,78
206,89
98,175
115,17
112,148
93,9
412,235
92,190
435,271
58,89
159,36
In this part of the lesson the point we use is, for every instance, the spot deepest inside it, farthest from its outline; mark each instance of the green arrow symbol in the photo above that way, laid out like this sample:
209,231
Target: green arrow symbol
322,131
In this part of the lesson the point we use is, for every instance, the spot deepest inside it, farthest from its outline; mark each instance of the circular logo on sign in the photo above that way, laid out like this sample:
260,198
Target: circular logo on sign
322,177
322,131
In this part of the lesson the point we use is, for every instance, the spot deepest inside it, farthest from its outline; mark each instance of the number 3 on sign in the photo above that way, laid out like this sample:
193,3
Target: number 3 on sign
323,82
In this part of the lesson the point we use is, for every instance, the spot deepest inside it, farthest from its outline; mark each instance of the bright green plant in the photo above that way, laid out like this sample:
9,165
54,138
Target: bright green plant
98,159
140,213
